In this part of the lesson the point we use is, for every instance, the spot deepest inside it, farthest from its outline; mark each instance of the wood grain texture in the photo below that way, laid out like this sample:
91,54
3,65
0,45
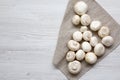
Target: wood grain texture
28,36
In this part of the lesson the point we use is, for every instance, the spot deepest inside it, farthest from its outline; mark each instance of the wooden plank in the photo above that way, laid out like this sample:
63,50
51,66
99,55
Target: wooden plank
28,35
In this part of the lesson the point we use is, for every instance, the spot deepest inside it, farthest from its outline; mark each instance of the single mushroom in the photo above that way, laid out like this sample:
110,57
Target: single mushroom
99,49
80,8
80,54
107,41
73,45
104,31
86,46
93,41
90,58
77,36
87,35
76,20
70,56
85,19
74,67
83,28
95,25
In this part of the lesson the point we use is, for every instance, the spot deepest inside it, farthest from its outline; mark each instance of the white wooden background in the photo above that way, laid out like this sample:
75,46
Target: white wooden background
28,36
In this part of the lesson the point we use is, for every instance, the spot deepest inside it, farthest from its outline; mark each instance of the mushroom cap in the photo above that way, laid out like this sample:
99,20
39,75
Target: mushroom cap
90,58
76,19
74,67
104,31
93,41
86,46
77,36
99,49
107,41
80,54
83,28
80,8
70,56
87,35
73,45
95,25
85,19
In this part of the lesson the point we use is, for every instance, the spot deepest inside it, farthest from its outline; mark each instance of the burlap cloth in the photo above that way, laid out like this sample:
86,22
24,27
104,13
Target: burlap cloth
67,28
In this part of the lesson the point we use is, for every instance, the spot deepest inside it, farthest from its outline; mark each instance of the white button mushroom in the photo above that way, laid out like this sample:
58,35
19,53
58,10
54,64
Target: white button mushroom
107,41
85,19
80,54
83,28
74,67
93,41
99,49
80,8
104,31
76,20
86,46
87,35
70,56
73,45
77,36
90,58
95,25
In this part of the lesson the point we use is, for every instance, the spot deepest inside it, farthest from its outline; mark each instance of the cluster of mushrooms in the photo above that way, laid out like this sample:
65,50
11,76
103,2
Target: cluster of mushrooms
84,44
